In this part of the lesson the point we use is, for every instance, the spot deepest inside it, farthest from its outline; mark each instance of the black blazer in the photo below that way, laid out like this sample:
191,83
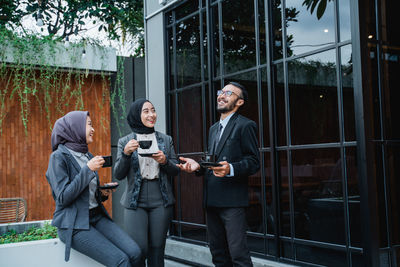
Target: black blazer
238,146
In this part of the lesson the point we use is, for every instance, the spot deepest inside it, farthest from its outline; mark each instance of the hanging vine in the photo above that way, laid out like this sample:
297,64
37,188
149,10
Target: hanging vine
27,75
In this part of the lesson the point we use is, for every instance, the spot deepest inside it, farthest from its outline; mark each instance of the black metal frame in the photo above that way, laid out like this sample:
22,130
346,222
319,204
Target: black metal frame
367,195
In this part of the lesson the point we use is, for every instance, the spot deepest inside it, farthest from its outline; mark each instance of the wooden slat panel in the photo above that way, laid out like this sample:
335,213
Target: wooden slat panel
24,158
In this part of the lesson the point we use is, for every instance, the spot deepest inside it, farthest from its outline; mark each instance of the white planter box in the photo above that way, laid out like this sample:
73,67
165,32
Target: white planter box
42,253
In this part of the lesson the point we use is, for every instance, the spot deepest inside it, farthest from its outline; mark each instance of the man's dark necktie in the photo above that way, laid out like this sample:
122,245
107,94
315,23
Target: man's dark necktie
217,136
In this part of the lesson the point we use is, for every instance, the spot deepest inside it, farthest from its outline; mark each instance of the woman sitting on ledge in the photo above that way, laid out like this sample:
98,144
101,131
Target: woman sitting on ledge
82,221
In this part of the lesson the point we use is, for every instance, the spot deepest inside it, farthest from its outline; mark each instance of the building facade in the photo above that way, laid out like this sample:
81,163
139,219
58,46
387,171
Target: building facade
323,78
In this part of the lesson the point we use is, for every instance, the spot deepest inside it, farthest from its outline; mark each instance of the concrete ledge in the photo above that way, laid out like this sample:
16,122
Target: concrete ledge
42,253
95,58
202,256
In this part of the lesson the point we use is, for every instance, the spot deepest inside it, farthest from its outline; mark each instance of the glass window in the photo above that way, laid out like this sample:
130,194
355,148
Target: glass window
264,106
190,120
313,99
171,58
270,217
391,92
249,81
187,8
188,52
262,32
280,106
276,6
348,93
354,196
254,212
215,39
306,30
239,41
344,18
393,165
320,256
318,195
284,201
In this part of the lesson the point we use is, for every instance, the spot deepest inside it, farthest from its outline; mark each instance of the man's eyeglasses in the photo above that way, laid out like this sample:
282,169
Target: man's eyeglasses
227,93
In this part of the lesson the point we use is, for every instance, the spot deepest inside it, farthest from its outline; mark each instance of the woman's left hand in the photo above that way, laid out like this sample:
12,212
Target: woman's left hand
160,157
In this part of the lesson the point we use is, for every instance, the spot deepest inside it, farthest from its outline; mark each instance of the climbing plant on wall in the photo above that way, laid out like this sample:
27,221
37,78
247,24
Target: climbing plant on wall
28,74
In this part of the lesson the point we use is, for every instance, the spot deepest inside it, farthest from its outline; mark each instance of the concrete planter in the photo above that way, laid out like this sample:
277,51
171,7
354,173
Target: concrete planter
41,253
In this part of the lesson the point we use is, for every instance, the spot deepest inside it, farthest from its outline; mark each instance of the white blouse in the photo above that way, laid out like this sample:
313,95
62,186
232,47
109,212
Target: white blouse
149,168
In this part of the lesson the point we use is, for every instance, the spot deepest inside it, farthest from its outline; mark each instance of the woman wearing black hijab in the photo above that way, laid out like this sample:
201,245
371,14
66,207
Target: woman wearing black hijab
148,195
82,221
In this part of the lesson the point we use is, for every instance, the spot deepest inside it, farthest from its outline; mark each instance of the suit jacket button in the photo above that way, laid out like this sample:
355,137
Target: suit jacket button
223,158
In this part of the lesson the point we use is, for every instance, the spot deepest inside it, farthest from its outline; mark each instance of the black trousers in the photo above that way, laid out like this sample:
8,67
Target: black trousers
227,236
148,224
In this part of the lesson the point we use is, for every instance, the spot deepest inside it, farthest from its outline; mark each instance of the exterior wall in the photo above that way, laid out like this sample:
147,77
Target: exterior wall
134,72
155,68
24,156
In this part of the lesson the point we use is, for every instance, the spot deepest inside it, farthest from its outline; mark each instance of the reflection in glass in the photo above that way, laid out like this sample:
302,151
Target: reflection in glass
318,195
391,92
348,93
268,194
170,38
313,99
191,197
277,28
284,193
173,111
254,214
264,106
393,163
262,33
280,106
344,18
307,32
190,120
188,51
205,46
353,196
215,39
249,81
186,9
320,256
194,232
238,35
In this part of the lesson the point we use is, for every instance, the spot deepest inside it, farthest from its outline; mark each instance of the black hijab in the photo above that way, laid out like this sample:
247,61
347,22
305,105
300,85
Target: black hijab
134,117
70,131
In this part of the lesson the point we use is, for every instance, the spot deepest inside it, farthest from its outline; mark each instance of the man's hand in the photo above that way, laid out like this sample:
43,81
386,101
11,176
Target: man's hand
159,157
130,147
189,165
221,171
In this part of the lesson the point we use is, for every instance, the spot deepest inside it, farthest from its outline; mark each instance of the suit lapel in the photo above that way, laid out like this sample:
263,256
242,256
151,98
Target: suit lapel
211,147
226,134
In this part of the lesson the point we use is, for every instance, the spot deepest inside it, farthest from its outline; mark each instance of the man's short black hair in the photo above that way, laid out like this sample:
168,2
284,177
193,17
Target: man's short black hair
245,94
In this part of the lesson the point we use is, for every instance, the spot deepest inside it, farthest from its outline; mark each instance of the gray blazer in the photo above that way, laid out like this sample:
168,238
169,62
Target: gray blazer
128,166
69,184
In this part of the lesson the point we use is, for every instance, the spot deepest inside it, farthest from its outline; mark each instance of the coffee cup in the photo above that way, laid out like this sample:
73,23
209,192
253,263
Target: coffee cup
209,158
145,144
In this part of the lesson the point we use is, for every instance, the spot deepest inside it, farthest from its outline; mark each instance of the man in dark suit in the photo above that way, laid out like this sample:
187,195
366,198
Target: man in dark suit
233,141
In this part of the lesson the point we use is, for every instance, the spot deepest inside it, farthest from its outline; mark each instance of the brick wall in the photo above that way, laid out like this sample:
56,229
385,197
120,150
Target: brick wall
24,156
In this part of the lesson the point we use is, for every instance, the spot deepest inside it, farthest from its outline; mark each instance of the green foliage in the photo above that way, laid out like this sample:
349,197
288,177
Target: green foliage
34,233
312,4
32,77
117,18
